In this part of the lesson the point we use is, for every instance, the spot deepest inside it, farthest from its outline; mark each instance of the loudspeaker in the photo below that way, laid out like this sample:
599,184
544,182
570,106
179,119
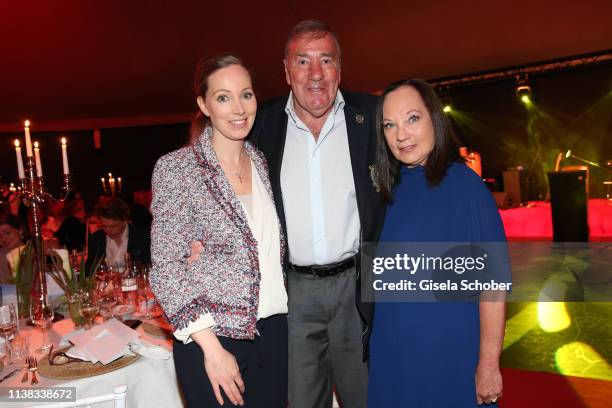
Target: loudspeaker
501,199
512,186
568,203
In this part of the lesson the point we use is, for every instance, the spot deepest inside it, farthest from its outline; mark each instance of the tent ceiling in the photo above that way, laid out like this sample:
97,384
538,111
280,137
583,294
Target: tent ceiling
84,60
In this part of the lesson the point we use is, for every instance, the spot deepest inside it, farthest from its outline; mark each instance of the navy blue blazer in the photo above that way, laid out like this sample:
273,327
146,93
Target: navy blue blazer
269,133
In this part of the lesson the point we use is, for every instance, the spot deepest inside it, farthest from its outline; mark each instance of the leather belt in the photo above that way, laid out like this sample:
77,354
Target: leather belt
323,271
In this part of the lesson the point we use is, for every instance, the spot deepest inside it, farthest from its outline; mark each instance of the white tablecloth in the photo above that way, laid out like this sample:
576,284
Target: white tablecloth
150,383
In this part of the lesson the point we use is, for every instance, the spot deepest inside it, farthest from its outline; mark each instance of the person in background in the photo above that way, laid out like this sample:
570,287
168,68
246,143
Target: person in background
217,249
116,236
52,218
72,231
13,234
436,354
320,142
141,214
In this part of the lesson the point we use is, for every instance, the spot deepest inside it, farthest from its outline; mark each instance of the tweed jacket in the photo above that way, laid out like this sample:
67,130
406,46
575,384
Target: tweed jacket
193,200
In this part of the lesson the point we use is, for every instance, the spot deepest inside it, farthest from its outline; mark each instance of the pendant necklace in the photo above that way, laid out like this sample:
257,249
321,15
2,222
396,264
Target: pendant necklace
239,173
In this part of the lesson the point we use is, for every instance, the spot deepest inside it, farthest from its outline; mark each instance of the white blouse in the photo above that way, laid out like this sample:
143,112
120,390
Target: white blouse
261,215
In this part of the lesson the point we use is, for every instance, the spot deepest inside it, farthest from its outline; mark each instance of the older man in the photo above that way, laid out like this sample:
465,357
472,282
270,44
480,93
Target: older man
319,143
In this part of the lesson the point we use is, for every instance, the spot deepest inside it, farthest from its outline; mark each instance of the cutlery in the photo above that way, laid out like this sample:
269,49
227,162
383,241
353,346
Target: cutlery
33,368
26,367
9,375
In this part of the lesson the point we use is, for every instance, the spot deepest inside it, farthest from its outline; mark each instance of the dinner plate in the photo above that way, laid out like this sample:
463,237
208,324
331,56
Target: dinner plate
81,369
157,329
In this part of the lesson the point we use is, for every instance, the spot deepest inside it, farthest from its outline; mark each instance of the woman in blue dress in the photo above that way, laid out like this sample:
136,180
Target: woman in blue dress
432,354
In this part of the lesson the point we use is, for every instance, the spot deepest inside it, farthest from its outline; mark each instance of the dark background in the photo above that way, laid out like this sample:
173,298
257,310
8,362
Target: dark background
573,110
129,153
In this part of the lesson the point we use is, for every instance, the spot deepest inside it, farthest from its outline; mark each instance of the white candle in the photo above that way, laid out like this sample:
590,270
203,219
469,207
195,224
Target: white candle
39,171
65,157
111,183
28,139
20,171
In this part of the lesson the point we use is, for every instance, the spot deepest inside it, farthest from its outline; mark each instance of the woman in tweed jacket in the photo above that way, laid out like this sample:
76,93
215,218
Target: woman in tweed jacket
217,251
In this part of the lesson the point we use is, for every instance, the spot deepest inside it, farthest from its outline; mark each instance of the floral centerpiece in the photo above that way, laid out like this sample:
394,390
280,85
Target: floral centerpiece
76,282
21,261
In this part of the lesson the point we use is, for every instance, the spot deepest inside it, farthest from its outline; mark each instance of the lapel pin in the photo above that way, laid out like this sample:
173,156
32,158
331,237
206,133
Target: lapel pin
359,118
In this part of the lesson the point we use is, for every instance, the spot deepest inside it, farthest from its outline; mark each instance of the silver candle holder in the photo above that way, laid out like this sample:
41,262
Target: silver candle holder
34,195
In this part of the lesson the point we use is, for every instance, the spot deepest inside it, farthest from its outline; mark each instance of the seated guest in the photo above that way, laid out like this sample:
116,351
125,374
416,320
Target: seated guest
51,219
12,235
72,231
116,236
141,216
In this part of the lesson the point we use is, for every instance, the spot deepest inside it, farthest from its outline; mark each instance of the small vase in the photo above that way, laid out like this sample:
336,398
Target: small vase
74,306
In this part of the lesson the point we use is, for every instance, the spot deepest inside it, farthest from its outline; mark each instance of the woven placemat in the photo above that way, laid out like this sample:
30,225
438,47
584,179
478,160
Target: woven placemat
81,369
156,330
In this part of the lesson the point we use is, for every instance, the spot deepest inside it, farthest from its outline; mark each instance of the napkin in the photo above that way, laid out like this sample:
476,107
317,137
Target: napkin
109,341
104,343
149,350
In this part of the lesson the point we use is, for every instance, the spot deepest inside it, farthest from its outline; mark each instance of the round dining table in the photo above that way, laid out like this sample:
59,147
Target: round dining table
150,382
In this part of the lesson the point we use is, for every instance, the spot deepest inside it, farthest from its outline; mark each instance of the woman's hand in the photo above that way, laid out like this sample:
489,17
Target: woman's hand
492,324
221,367
196,250
489,386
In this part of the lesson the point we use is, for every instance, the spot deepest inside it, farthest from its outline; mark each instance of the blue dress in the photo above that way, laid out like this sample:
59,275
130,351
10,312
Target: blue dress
425,354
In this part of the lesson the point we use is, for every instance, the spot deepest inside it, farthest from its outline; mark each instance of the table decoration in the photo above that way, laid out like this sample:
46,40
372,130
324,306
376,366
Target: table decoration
34,195
77,283
21,262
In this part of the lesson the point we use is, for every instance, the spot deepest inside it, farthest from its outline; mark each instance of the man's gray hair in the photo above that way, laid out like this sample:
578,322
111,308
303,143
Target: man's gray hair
313,28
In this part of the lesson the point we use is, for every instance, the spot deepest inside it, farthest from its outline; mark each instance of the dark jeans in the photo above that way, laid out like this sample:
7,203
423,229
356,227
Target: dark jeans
262,363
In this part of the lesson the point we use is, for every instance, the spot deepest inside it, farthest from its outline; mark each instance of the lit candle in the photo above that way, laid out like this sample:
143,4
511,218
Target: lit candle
111,183
103,184
119,183
39,172
65,157
20,171
28,139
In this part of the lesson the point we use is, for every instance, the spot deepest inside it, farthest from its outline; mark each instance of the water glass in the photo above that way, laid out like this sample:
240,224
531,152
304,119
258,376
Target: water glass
8,326
41,314
21,347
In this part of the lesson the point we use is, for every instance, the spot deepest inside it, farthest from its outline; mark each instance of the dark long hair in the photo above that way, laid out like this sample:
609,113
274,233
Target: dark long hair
204,69
445,149
17,223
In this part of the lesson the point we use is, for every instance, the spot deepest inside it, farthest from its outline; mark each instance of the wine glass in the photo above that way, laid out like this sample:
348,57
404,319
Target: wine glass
145,294
41,314
90,307
8,326
107,298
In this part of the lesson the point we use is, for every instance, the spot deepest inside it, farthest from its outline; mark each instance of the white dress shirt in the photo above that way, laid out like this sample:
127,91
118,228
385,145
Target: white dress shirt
115,253
318,190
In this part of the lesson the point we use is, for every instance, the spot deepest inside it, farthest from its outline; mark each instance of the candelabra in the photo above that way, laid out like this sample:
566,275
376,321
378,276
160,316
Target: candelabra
111,186
34,195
